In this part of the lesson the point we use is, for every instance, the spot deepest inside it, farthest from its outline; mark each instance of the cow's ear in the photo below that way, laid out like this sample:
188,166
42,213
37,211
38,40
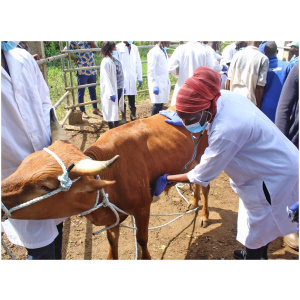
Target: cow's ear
91,185
93,167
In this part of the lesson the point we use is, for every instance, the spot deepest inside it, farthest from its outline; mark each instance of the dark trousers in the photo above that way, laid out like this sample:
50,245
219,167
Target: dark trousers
51,251
86,79
131,101
156,108
260,253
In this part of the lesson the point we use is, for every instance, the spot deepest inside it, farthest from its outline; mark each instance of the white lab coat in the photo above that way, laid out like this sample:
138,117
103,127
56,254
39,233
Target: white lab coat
108,87
251,150
25,125
188,57
132,67
158,75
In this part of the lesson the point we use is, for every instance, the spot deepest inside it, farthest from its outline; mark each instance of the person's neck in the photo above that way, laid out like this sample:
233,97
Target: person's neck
2,60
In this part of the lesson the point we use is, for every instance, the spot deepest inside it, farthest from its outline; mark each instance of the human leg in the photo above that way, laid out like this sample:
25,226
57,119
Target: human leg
51,251
156,108
81,80
252,254
131,104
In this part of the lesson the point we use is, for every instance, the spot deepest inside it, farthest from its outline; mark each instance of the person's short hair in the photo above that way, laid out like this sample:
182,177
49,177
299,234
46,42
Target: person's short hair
107,47
270,49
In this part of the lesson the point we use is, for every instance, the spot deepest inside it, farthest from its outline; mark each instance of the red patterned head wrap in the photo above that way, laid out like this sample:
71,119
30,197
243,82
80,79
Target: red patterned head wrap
200,92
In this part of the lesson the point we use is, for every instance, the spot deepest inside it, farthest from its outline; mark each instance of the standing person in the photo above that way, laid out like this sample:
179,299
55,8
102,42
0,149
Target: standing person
294,53
24,45
230,50
276,76
111,85
85,59
158,76
261,162
185,60
25,125
247,73
287,113
129,56
287,120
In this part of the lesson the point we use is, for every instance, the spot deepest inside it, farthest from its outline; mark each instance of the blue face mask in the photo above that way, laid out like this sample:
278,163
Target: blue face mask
217,51
197,127
114,53
7,46
165,48
129,42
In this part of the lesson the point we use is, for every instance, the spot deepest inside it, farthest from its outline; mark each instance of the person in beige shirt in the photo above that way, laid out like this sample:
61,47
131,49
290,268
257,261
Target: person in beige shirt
248,73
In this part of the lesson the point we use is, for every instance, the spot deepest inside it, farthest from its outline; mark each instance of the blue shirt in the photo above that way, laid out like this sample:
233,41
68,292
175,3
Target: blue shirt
293,60
84,59
277,74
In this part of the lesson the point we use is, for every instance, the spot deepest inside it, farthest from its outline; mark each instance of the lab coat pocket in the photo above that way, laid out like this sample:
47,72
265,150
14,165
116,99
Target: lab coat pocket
253,198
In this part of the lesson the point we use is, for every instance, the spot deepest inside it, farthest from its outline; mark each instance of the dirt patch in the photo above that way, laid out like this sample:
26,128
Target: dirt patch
182,239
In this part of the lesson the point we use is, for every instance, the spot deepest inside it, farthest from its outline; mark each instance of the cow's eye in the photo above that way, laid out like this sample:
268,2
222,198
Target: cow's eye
45,188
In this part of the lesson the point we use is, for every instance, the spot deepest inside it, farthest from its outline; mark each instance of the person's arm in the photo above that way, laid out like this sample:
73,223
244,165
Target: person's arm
178,178
138,66
262,80
174,63
288,97
151,58
227,84
258,94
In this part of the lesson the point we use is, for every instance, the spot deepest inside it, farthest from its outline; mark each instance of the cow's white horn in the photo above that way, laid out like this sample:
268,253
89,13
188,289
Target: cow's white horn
93,167
57,133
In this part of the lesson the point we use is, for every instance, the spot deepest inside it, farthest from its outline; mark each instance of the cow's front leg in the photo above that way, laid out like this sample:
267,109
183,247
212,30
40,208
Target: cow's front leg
195,200
204,212
142,223
113,239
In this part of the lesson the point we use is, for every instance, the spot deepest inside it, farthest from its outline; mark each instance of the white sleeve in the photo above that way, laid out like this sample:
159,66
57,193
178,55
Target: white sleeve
105,74
151,58
138,65
214,160
174,62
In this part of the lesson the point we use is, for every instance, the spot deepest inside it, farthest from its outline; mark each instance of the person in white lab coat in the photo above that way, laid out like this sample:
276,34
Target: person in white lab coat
261,162
185,60
158,76
25,126
111,84
129,56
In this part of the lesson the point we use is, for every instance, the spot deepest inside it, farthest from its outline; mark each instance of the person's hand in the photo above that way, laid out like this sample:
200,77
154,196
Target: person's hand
156,90
225,68
172,115
293,212
140,83
159,185
113,98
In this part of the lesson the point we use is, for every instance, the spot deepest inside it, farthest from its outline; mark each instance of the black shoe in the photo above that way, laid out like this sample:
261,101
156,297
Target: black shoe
239,254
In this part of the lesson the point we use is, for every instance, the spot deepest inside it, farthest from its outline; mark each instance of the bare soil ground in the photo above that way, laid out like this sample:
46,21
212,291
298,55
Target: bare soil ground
183,239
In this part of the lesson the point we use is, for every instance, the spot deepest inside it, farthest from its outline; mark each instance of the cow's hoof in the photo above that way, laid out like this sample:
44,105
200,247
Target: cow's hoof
191,206
203,223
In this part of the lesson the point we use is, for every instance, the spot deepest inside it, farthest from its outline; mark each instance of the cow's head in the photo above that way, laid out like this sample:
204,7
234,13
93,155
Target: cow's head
38,175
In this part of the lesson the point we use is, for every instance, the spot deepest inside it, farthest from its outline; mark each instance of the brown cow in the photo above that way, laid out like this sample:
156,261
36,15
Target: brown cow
147,148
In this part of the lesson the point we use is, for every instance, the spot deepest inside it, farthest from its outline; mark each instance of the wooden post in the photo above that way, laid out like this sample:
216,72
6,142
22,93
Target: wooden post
38,48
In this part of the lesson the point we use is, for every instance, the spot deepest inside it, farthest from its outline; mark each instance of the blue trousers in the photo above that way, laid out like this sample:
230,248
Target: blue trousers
156,108
86,79
51,251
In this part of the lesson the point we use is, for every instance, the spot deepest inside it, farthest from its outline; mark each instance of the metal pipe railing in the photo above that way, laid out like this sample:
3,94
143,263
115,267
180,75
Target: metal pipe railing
45,60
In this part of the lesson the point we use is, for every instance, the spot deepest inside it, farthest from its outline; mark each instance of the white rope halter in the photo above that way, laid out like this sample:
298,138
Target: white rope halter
65,184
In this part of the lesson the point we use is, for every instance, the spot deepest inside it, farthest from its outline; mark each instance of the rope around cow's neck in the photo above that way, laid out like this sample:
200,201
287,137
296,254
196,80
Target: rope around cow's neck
65,184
